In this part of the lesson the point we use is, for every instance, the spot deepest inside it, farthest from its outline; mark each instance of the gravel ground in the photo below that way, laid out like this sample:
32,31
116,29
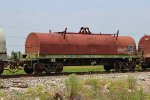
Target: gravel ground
20,85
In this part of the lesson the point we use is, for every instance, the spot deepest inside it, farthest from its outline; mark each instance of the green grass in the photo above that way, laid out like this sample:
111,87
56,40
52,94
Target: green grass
83,68
7,72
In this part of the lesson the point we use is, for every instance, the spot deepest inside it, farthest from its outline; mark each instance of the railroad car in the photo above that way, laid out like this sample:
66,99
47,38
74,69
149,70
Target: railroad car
49,52
3,53
144,51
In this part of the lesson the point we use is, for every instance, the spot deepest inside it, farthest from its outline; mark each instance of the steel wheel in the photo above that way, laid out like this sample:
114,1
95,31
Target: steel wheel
38,68
28,69
107,67
144,67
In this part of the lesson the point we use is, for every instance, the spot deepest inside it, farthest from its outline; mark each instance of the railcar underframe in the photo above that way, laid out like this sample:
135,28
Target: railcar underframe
54,63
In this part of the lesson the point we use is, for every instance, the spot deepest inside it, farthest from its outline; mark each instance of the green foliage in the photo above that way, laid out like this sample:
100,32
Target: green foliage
38,92
1,93
94,87
94,92
125,90
74,86
131,82
33,93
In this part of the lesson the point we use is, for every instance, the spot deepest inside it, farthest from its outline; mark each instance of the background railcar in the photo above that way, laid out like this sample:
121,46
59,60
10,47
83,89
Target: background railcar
3,53
144,49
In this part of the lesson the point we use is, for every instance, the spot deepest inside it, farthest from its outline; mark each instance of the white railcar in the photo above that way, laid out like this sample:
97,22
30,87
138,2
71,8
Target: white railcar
3,50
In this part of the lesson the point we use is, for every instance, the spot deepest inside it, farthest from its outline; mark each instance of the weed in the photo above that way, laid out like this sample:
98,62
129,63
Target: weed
38,92
73,86
1,93
95,88
131,82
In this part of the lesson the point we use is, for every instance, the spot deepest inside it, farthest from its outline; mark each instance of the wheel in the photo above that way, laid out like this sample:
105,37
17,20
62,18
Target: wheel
107,67
144,67
28,69
38,68
59,67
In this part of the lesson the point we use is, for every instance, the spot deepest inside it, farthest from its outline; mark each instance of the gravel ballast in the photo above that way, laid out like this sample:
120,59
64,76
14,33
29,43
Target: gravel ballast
20,85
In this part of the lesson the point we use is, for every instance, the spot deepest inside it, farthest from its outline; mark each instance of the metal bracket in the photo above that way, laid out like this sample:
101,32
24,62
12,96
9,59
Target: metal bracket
84,30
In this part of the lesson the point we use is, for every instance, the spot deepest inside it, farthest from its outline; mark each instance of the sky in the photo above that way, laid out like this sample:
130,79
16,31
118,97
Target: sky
20,17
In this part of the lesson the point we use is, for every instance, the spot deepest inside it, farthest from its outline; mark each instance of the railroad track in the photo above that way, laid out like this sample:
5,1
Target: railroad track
51,74
66,74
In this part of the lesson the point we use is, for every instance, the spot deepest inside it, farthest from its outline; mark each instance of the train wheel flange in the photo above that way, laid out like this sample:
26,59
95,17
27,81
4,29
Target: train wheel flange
28,69
38,68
